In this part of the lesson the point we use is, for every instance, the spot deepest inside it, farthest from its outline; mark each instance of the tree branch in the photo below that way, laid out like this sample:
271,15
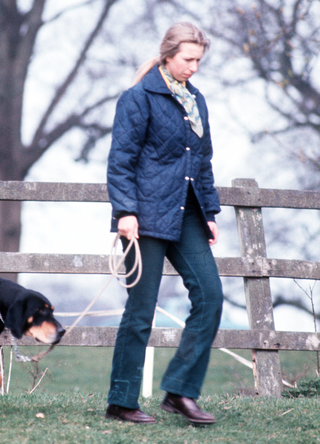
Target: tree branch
31,22
68,9
234,303
278,301
34,153
296,303
39,134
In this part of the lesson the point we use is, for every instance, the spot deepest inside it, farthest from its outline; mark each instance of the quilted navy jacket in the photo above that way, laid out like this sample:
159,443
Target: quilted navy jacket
155,155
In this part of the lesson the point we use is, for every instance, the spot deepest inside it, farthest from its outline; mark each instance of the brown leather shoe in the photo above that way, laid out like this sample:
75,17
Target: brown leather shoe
188,408
131,415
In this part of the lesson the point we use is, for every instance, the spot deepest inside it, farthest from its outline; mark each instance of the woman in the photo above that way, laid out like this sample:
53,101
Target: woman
160,183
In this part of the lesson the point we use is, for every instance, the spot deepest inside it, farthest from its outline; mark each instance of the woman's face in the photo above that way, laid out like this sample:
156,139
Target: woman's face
186,62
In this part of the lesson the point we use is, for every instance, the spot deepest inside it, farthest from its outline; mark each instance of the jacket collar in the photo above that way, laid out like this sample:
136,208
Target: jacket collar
154,82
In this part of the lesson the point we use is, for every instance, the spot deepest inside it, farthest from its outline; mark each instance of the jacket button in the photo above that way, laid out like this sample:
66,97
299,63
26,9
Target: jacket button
187,178
192,179
188,149
181,208
186,118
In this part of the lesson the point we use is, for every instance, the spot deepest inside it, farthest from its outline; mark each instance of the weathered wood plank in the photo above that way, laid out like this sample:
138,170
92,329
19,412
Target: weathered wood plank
267,340
284,268
266,365
56,192
53,263
170,337
99,264
85,192
269,198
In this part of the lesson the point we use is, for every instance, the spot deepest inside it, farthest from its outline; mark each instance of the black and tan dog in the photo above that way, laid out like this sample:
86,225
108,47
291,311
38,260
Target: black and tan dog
27,312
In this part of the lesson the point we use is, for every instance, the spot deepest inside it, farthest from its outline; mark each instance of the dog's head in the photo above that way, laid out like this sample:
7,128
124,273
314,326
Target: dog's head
32,315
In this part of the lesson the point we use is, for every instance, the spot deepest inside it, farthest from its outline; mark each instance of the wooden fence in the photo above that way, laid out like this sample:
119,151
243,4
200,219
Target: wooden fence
253,265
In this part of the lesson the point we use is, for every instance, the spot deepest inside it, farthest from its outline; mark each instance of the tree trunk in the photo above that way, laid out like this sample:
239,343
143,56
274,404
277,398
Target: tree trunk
15,51
10,222
10,230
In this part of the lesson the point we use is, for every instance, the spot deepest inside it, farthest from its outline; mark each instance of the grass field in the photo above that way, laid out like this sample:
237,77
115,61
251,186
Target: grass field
69,405
78,418
71,369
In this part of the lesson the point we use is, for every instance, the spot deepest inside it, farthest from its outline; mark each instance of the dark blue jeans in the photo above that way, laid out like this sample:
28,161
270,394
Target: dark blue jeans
192,258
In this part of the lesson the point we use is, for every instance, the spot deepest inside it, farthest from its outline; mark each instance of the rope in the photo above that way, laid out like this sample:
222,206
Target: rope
24,358
114,268
224,350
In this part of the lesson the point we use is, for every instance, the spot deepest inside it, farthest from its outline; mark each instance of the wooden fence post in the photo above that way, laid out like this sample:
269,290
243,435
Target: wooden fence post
266,364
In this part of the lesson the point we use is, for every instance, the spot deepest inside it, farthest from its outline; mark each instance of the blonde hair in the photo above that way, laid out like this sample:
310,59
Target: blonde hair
183,32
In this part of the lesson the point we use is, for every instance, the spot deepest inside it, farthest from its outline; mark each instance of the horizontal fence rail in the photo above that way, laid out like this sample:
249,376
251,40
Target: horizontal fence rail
86,192
99,264
170,337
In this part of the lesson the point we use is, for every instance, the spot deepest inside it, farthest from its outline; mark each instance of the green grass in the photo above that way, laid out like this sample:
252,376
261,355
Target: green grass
71,369
72,399
79,418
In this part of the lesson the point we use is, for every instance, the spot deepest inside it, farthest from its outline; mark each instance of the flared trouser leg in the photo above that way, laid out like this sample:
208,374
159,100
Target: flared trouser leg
136,323
193,259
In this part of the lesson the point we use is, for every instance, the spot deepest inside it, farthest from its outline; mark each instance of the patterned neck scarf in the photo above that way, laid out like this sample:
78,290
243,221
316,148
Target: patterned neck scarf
183,95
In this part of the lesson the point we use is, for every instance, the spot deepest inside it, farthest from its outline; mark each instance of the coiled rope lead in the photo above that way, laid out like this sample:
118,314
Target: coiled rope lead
114,266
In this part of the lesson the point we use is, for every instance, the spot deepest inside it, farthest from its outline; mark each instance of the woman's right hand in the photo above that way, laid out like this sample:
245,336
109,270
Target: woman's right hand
128,226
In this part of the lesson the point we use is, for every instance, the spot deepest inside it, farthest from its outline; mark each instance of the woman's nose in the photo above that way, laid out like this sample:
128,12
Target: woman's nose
194,66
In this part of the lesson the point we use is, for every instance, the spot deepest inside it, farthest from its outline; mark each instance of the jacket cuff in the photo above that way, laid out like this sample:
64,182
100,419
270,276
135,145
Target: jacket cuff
124,214
211,216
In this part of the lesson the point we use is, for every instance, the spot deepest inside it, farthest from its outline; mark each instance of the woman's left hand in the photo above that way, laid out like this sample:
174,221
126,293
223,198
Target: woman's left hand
215,232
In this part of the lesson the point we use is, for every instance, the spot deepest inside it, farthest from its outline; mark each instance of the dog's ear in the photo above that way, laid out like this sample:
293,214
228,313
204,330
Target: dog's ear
15,319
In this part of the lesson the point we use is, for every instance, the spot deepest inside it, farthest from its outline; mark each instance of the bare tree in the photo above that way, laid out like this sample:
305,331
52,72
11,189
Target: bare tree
18,35
282,41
